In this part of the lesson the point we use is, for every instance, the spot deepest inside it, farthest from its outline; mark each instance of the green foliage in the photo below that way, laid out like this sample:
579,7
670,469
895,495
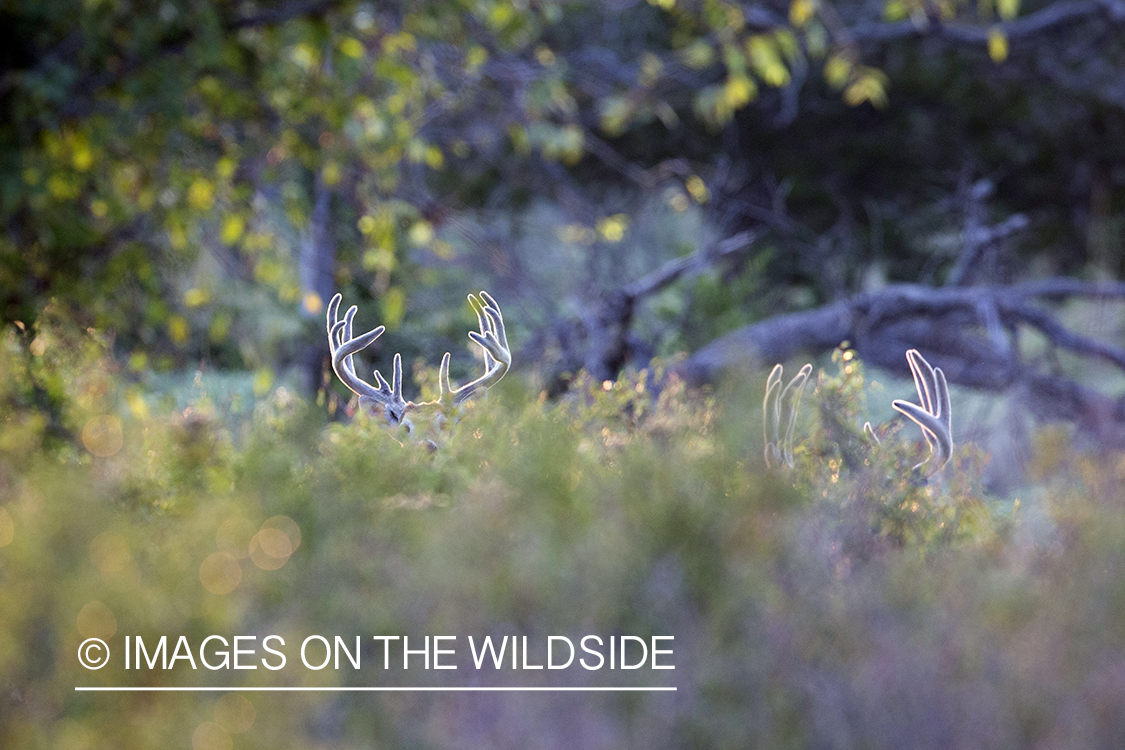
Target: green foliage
162,167
871,479
834,586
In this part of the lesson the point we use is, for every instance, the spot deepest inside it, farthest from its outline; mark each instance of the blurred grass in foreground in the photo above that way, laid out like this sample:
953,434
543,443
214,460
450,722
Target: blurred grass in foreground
824,607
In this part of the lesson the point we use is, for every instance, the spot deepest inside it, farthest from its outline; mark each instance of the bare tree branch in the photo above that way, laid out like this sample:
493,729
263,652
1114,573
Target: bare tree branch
944,323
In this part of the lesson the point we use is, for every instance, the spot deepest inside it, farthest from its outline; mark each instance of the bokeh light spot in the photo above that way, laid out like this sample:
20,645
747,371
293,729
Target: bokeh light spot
102,435
234,713
210,736
288,526
110,552
275,543
95,620
259,554
220,573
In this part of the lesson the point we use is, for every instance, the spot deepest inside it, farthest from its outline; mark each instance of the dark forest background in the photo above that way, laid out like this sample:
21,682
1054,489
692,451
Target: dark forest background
630,178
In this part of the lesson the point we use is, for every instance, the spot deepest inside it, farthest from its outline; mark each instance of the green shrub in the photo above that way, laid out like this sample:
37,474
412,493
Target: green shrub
836,603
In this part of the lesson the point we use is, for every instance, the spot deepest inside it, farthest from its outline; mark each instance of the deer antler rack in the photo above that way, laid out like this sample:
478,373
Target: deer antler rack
343,345
781,446
933,415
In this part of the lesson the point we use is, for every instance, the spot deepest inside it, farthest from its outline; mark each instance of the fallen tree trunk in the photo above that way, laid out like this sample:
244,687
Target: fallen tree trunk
972,333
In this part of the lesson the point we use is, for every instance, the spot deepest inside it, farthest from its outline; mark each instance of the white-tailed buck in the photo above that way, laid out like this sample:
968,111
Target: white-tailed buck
388,396
933,415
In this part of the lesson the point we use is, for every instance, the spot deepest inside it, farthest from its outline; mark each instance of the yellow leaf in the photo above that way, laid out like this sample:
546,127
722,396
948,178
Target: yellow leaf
766,61
313,303
421,233
837,71
137,404
612,228
698,189
801,12
739,91
220,328
736,20
787,44
233,228
866,88
997,46
83,157
520,142
615,111
474,58
895,10
651,68
178,330
379,259
434,157
698,55
263,379
225,167
196,297
303,55
201,194
403,40
330,173
394,307
1008,9
351,47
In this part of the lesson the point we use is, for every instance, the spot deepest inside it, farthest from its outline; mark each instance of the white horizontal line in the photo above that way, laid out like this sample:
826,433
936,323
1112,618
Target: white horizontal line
505,689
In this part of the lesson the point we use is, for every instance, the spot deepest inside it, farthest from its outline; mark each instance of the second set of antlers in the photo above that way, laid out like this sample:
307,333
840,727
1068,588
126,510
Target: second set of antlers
933,414
388,396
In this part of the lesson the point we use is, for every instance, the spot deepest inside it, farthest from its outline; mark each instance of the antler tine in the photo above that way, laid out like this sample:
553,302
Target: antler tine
945,407
773,382
781,446
493,339
925,383
797,384
498,327
443,379
343,345
924,379
934,415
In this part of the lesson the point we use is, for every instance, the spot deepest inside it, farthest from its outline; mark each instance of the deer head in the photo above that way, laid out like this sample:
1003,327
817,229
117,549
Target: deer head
388,396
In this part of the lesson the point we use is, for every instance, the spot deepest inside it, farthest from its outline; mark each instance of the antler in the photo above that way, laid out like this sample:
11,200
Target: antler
497,356
342,346
492,338
782,447
934,414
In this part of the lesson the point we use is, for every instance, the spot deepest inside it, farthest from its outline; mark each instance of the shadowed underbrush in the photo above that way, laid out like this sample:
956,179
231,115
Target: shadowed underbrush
838,604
